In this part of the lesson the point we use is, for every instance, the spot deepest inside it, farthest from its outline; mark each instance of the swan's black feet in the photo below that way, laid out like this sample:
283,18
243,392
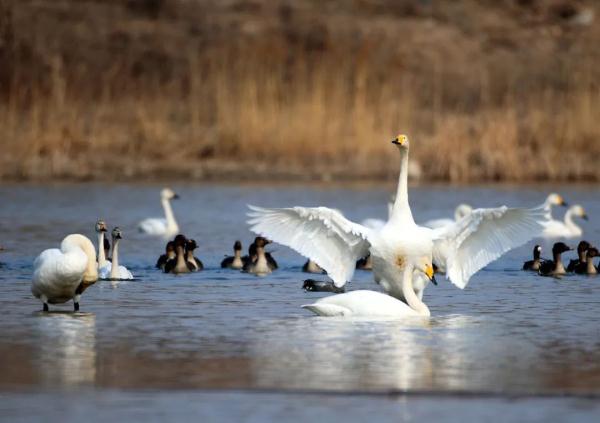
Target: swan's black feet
76,306
46,307
321,286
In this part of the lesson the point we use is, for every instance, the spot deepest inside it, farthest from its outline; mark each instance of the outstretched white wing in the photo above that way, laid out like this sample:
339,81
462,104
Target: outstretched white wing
481,237
319,233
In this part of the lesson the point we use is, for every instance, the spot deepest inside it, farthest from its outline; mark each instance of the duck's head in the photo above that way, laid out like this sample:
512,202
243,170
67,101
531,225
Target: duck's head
180,240
260,241
116,233
425,266
593,252
579,211
556,200
560,247
168,194
191,245
170,247
100,226
583,246
401,141
237,246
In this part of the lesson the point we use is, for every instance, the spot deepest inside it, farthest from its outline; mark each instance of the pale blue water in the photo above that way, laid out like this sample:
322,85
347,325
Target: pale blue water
221,345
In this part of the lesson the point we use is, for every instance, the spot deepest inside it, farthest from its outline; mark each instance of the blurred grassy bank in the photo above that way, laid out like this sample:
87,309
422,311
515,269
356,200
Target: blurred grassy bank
505,90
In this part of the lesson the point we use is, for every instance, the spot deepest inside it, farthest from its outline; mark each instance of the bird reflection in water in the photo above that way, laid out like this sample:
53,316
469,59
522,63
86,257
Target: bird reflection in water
67,348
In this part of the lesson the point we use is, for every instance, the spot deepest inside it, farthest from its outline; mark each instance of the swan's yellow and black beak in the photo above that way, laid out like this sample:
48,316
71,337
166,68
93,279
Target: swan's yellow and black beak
175,196
396,141
585,216
562,202
430,273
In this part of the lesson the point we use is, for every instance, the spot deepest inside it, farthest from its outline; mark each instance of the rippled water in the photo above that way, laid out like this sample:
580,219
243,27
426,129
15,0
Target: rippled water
509,334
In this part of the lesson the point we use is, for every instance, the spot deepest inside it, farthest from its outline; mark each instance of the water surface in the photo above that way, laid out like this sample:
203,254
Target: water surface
222,336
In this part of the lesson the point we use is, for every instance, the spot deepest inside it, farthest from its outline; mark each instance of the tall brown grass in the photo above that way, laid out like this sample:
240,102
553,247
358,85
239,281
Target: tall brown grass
298,101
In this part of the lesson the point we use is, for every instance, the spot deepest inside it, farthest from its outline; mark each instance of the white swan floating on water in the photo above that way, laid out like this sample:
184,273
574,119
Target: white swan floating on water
568,228
166,227
461,211
63,275
335,243
114,271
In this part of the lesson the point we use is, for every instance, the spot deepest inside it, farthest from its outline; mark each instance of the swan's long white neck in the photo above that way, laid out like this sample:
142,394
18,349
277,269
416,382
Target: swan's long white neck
573,228
401,213
171,223
101,255
114,270
409,293
81,242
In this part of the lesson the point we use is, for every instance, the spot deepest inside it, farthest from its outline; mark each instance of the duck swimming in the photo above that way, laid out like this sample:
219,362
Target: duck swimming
536,262
260,266
167,226
365,263
235,261
311,267
555,266
568,228
580,261
321,286
60,275
179,264
194,262
169,255
590,268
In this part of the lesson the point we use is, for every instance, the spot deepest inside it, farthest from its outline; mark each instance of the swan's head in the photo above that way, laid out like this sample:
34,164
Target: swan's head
101,226
555,199
425,266
462,210
401,141
261,242
191,245
237,246
579,211
560,247
168,194
583,246
116,233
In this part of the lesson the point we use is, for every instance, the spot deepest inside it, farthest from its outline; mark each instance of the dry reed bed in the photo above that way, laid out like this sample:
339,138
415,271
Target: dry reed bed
301,101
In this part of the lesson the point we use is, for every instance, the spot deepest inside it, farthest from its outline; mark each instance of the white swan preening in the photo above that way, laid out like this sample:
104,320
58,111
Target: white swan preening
166,227
461,211
567,228
62,275
335,243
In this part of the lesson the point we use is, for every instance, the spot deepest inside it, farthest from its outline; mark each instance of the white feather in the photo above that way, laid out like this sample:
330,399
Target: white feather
323,235
481,237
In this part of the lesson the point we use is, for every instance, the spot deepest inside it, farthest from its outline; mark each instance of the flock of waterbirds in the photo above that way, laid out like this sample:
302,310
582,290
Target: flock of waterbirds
402,255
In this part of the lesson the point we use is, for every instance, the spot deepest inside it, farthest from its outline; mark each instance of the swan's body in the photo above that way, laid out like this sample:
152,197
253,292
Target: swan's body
63,274
114,270
461,211
166,227
361,303
567,228
335,243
